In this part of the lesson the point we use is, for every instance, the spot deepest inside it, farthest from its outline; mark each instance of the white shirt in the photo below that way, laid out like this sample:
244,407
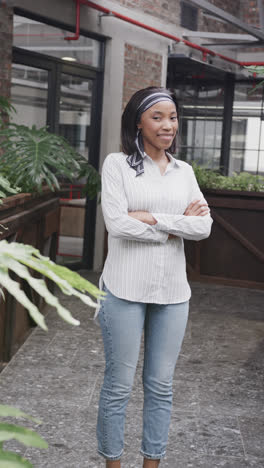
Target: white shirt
142,264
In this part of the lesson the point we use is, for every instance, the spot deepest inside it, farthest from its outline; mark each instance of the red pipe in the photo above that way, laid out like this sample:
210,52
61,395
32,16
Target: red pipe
154,30
77,33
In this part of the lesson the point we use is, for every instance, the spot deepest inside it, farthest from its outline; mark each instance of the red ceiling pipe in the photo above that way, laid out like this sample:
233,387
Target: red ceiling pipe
77,32
154,30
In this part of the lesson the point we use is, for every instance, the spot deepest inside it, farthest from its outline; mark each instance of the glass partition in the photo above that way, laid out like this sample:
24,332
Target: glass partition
247,138
74,125
201,116
29,95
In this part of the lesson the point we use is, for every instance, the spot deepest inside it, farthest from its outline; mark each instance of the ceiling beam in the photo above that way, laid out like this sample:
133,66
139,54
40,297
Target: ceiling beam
230,45
216,35
219,13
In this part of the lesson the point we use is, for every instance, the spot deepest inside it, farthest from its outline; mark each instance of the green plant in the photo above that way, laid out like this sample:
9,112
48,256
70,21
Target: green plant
244,181
18,258
22,434
35,157
5,188
29,161
21,259
6,109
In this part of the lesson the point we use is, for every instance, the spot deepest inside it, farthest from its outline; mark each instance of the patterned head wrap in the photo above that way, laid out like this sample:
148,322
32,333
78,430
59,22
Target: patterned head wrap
135,160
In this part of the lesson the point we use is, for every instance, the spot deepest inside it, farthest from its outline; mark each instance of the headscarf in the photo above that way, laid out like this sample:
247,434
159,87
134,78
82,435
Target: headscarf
135,160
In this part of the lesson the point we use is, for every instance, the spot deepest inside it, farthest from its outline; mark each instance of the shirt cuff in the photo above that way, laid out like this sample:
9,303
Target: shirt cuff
163,222
163,236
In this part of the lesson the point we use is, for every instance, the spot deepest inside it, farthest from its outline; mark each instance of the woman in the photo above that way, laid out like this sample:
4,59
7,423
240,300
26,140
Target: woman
150,202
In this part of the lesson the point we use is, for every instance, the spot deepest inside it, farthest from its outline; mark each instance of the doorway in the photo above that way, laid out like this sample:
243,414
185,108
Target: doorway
67,98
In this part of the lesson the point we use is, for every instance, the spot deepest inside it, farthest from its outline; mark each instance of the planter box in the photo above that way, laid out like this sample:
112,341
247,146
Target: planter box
234,253
32,220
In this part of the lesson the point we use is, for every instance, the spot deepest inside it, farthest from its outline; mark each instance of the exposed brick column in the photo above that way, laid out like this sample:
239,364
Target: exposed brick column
142,68
6,40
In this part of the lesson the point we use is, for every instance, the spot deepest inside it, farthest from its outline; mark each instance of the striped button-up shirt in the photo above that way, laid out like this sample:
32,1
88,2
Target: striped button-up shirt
143,264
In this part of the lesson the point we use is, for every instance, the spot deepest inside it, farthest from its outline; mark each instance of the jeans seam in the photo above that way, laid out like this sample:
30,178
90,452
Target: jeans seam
107,326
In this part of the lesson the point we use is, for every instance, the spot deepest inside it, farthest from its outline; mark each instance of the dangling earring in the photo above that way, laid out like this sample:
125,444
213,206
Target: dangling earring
139,141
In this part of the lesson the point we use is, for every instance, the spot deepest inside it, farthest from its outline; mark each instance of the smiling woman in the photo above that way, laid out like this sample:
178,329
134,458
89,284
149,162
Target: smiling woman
151,202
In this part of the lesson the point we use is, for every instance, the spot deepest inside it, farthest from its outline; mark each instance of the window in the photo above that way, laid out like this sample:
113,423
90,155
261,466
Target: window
189,16
29,93
247,138
49,40
201,117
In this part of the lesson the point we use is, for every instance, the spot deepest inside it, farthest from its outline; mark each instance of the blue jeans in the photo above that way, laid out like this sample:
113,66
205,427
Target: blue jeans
122,323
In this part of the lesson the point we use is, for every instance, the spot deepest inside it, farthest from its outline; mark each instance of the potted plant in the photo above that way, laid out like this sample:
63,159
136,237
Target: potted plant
233,254
37,163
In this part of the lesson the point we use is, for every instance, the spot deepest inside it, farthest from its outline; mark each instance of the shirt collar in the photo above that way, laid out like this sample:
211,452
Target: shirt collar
171,158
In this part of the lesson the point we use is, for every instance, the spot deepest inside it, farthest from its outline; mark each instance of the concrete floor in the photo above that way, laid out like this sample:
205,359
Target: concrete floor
218,413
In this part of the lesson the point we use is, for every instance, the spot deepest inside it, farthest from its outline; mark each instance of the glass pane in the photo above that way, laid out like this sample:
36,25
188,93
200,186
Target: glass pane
29,95
201,113
75,111
74,125
247,138
261,162
236,161
48,40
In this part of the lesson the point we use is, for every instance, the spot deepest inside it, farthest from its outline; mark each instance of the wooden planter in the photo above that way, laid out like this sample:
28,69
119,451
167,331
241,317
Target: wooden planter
32,220
234,253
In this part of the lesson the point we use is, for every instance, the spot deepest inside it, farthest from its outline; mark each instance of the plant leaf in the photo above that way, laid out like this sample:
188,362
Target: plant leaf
11,460
7,411
14,289
21,434
17,257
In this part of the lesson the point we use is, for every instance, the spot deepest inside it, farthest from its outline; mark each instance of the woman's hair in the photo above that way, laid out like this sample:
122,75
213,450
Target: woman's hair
130,115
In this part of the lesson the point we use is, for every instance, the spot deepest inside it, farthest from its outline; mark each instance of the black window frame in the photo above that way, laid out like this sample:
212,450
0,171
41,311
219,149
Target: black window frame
56,66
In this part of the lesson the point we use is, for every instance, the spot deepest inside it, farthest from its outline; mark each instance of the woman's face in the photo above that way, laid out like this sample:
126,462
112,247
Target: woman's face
159,125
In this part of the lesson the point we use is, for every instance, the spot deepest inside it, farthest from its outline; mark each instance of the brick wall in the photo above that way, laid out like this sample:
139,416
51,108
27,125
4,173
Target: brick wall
234,7
6,38
142,68
250,12
166,10
170,11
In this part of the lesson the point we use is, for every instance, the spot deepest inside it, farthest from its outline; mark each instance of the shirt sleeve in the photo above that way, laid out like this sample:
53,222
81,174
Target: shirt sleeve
187,227
115,209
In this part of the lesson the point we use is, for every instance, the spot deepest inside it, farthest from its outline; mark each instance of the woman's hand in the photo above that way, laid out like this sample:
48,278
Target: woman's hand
143,216
197,208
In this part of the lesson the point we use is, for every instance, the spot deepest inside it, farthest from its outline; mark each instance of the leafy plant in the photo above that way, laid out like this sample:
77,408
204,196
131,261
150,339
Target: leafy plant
31,158
18,258
5,188
244,181
23,435
34,157
93,179
5,109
